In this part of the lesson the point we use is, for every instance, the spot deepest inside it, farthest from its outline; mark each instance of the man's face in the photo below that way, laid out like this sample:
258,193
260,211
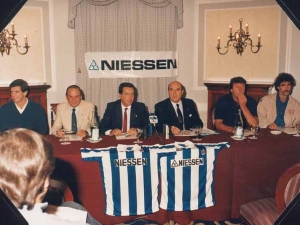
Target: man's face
74,97
127,96
17,95
285,88
175,92
237,89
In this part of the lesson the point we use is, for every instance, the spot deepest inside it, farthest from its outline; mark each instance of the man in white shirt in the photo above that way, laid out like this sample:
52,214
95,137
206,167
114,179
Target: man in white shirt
26,163
74,115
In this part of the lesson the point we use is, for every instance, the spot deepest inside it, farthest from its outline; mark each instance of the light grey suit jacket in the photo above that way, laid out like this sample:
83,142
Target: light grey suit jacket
63,116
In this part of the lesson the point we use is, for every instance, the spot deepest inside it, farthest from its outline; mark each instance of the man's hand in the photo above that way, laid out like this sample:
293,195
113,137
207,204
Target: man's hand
175,130
273,126
59,133
115,132
132,131
242,99
81,133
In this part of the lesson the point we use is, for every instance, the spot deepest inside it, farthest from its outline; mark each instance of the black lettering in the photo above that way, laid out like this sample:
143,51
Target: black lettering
161,64
171,62
149,64
137,65
105,63
125,65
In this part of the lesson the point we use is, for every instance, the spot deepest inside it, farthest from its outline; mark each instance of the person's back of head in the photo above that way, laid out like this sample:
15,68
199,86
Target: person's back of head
26,162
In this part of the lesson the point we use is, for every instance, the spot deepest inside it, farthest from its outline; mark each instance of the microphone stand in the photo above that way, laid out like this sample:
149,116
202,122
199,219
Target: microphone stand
157,135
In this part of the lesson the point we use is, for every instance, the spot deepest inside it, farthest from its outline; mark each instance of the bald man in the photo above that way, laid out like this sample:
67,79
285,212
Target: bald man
179,113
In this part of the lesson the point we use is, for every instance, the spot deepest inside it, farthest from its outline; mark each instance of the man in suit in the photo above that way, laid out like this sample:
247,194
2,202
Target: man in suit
74,115
22,112
179,113
124,115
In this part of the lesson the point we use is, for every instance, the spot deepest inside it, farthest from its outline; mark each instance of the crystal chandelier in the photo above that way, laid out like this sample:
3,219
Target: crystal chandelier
240,40
7,41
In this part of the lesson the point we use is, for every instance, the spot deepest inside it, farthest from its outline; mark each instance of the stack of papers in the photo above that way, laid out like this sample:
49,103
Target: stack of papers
288,130
205,132
71,137
125,136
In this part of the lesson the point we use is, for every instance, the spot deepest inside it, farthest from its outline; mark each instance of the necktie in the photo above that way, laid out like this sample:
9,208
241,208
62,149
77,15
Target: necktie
125,121
74,121
180,117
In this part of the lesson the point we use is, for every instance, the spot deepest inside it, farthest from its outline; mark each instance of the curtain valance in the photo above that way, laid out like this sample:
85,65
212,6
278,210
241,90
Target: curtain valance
178,4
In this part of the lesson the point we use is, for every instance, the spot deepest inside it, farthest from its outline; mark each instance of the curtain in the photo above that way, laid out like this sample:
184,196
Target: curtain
123,25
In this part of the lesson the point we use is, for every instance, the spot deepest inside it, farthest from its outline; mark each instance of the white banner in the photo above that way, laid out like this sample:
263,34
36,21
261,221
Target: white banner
131,64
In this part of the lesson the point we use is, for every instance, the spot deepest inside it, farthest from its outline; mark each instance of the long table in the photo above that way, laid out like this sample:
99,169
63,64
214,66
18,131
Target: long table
247,171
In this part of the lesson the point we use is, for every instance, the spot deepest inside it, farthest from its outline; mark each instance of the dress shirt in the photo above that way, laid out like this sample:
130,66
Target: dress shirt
128,118
181,109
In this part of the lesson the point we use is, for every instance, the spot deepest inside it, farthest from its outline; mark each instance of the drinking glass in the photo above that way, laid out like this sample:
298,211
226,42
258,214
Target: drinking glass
65,138
297,127
198,131
254,131
138,135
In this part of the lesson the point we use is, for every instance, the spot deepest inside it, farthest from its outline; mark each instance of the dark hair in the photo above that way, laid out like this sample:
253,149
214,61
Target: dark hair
235,80
125,84
284,77
19,82
74,86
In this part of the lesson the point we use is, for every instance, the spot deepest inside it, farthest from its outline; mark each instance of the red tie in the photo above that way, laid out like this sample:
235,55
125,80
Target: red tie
125,121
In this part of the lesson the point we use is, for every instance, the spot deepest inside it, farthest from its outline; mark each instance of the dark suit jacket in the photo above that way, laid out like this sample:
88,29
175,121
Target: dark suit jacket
166,114
112,119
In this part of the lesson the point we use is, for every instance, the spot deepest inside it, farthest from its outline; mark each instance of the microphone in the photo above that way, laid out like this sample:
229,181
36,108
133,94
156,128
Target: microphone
154,120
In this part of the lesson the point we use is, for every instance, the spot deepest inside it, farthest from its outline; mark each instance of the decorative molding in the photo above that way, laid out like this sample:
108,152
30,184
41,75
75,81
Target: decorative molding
52,47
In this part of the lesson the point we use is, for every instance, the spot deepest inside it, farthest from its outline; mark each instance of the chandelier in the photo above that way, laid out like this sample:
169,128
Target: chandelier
7,41
240,40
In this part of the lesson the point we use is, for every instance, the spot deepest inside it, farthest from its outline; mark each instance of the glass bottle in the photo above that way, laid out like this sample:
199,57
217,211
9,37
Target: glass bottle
94,127
238,126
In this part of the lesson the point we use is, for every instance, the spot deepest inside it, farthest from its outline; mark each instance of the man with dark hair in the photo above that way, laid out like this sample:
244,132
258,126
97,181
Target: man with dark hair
227,107
124,115
280,109
22,112
178,112
74,115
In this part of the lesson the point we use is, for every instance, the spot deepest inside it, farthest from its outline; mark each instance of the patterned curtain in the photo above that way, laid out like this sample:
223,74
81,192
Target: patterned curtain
123,25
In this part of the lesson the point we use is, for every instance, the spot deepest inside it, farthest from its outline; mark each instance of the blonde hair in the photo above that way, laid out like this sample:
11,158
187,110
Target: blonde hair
26,159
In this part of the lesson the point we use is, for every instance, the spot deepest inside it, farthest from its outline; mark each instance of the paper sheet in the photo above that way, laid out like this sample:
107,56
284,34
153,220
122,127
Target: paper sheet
71,137
205,132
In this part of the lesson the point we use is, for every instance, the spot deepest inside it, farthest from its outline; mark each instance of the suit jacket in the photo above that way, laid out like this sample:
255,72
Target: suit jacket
64,117
166,114
112,117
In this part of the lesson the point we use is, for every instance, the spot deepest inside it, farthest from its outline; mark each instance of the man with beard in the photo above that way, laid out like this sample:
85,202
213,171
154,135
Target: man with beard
280,109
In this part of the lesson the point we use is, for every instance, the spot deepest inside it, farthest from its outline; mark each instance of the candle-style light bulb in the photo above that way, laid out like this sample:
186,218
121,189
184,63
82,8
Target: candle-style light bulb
247,28
259,38
230,29
26,41
12,27
219,39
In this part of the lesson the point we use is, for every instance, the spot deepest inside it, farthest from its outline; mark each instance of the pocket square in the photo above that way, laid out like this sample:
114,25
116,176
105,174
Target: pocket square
190,115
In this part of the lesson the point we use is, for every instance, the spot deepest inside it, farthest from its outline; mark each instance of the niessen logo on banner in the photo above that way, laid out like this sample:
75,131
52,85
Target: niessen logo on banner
131,64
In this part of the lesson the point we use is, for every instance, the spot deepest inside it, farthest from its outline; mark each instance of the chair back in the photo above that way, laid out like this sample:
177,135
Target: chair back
58,192
288,187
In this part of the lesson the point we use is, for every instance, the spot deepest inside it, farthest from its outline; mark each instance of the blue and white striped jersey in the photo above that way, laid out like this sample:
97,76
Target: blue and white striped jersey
130,177
187,178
